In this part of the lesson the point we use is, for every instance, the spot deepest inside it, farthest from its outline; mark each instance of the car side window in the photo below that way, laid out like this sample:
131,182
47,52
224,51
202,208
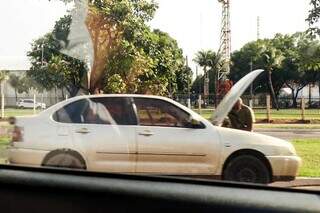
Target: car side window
154,112
72,113
115,111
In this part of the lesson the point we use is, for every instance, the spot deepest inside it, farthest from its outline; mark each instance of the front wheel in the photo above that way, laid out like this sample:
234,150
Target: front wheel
247,168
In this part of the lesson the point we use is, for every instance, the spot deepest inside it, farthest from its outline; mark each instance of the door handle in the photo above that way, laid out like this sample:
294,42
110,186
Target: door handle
83,131
147,134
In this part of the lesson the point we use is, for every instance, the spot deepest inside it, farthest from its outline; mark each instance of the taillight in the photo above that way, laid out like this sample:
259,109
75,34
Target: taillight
17,134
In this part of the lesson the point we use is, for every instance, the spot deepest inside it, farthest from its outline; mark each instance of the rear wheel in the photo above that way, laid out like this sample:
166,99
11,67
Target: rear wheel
247,168
64,160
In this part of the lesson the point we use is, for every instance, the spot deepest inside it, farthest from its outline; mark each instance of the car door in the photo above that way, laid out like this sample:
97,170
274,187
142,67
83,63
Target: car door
103,131
168,145
29,103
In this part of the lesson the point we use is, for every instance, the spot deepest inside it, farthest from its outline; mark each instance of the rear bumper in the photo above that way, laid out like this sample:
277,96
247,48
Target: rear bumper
284,168
23,156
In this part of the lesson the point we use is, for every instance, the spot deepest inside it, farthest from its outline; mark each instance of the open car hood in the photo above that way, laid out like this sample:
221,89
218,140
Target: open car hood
232,96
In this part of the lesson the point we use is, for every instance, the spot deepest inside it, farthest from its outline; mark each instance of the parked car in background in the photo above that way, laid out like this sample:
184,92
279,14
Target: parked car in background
29,104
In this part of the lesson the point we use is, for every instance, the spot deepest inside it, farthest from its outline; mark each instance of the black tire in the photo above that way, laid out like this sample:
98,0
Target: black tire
64,160
247,168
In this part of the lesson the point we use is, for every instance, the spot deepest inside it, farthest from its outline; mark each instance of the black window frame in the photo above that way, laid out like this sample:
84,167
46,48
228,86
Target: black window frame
150,99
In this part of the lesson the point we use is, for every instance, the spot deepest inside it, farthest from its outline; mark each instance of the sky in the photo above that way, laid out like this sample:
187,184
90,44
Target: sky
195,24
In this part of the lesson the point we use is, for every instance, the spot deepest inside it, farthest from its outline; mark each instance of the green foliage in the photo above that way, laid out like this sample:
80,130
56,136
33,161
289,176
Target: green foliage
55,69
313,18
210,61
128,54
115,84
293,61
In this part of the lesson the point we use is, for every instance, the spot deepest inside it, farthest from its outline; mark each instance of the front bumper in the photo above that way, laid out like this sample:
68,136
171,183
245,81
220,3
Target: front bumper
22,156
284,168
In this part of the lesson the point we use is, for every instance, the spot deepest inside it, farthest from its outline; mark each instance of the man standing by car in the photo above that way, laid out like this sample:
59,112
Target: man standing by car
241,117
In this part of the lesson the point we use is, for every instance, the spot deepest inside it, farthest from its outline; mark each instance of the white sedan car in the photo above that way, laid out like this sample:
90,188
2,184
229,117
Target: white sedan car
147,134
30,104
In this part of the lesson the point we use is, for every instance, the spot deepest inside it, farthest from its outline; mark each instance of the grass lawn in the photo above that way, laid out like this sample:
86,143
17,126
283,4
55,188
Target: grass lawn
310,114
4,141
309,151
10,112
288,126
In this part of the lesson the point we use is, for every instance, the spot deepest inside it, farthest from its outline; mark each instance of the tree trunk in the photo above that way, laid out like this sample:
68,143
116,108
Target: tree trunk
15,92
294,100
62,93
319,94
55,94
215,89
205,85
272,90
292,96
310,97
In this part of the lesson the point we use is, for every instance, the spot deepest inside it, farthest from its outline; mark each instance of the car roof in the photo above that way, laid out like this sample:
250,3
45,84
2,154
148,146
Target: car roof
70,100
120,95
26,99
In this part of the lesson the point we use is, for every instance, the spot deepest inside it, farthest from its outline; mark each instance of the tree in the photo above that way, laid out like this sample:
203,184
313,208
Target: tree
55,69
313,18
25,84
210,61
153,58
197,85
298,56
270,59
129,54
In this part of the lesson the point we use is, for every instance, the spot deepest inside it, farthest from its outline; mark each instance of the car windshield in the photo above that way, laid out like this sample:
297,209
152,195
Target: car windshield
223,89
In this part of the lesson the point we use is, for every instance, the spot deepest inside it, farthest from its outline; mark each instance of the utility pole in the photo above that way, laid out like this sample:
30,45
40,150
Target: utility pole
42,53
258,27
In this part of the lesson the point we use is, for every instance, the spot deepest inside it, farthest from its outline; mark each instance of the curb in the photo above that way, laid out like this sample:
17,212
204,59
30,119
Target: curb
286,130
299,182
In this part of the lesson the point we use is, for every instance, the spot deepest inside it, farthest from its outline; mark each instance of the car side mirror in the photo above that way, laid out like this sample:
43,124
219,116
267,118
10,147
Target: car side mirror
196,124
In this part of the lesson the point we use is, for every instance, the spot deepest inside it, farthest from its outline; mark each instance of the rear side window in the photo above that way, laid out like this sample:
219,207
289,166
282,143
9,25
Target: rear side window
115,111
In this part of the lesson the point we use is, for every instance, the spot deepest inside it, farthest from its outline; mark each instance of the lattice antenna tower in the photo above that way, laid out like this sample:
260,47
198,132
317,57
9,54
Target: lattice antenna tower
225,40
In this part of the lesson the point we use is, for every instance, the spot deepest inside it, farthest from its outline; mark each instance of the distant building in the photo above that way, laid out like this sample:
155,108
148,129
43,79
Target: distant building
314,90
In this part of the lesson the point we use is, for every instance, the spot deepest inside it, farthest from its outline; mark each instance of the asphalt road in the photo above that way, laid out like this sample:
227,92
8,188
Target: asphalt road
289,134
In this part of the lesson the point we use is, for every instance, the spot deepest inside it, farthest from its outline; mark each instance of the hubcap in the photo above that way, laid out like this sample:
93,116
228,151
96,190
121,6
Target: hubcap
246,175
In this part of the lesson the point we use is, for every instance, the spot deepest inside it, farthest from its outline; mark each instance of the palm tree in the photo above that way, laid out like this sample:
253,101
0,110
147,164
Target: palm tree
272,59
210,61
